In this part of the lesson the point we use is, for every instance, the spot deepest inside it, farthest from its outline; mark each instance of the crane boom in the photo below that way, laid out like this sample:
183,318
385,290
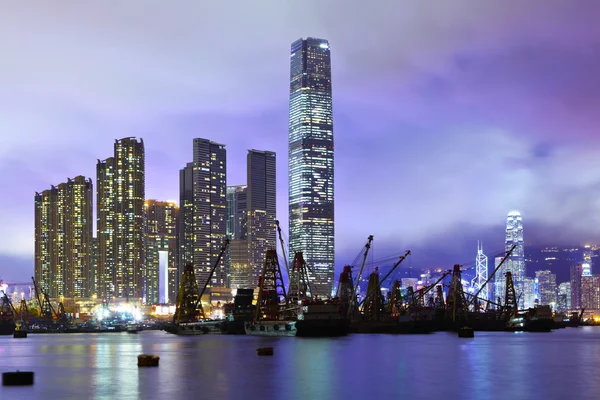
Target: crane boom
385,277
362,266
285,260
212,271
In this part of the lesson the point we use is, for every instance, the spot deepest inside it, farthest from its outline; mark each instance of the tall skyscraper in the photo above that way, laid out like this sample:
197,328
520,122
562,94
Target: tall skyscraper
587,260
121,196
237,228
576,274
481,274
185,235
203,211
262,206
547,288
516,262
105,227
590,292
528,295
161,238
237,200
310,160
564,296
63,238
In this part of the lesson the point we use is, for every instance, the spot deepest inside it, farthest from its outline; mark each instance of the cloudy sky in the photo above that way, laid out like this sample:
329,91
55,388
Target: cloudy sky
447,114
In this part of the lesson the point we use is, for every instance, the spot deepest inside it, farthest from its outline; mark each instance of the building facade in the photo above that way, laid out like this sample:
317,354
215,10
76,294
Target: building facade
185,235
237,200
586,266
310,160
120,199
547,288
564,297
63,238
161,238
590,292
237,228
576,274
262,207
203,212
516,262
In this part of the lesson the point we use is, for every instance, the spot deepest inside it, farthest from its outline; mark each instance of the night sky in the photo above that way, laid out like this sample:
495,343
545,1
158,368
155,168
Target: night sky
447,114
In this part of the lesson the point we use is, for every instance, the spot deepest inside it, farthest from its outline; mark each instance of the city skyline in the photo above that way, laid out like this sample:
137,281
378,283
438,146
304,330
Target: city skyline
468,110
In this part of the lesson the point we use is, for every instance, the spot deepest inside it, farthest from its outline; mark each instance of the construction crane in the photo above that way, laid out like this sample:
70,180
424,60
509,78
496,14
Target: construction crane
271,289
189,298
47,312
285,260
299,286
362,266
371,291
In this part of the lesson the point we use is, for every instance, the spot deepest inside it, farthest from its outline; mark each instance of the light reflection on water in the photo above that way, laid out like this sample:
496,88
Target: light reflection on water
561,364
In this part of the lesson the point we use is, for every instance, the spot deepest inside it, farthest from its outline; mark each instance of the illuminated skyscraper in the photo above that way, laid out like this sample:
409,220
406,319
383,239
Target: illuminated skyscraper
516,262
63,236
261,204
310,161
547,288
564,296
590,292
203,211
587,261
576,274
185,235
481,274
45,237
161,249
105,227
237,228
528,292
237,199
121,195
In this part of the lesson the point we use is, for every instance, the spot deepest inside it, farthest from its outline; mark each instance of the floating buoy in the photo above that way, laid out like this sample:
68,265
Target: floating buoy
19,378
148,360
466,332
265,351
19,334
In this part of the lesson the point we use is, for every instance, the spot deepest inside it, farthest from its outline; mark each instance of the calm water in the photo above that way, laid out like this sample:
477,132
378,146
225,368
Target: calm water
564,364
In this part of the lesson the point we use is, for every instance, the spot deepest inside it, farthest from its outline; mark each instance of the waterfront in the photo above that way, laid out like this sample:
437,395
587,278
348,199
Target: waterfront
493,365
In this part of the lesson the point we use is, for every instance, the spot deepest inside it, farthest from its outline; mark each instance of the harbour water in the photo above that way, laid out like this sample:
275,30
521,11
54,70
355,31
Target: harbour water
563,364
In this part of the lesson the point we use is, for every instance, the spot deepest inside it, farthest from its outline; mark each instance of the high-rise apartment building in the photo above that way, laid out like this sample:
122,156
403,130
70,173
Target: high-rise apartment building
262,207
237,228
528,292
186,217
105,227
63,238
576,274
161,239
237,200
310,160
590,292
564,296
120,199
203,212
547,288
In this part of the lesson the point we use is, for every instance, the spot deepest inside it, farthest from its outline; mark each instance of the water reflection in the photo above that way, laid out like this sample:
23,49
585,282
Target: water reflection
492,365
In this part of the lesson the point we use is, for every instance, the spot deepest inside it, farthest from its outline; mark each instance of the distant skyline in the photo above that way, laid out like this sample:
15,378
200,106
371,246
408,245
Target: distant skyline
447,116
